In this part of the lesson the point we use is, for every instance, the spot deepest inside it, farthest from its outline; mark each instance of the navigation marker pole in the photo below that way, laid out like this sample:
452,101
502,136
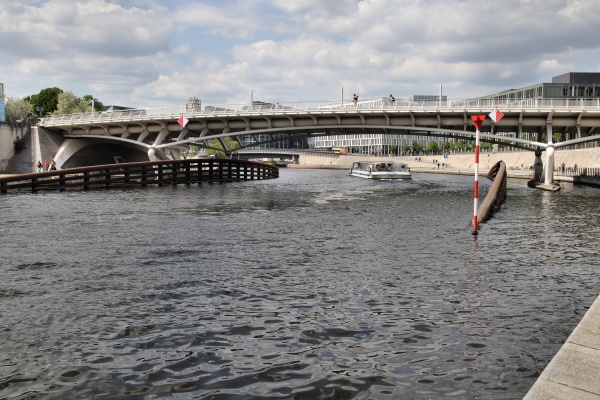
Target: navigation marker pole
478,121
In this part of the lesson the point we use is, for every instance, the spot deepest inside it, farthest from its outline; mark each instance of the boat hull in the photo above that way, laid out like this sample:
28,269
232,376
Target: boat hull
380,170
381,175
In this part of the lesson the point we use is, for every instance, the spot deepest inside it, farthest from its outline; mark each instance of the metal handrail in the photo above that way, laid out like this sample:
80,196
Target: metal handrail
225,110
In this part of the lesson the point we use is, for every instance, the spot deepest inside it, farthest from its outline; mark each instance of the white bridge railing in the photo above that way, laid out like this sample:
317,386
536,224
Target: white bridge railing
399,105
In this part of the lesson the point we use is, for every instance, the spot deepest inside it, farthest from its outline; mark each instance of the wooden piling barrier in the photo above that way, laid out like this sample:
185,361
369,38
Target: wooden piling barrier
140,173
497,193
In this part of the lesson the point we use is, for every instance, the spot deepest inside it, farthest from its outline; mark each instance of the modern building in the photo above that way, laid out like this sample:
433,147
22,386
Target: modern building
572,85
376,144
2,111
427,98
193,104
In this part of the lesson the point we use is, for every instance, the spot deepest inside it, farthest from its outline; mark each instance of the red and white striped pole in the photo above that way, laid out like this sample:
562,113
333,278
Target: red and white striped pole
477,120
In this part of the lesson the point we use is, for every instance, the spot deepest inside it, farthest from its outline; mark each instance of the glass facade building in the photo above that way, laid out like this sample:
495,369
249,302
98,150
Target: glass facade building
572,85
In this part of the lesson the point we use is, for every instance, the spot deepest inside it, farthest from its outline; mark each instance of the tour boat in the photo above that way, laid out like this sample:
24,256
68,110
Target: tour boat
380,170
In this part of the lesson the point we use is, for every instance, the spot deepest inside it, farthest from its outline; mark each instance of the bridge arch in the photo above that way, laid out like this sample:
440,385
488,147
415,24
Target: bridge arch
98,150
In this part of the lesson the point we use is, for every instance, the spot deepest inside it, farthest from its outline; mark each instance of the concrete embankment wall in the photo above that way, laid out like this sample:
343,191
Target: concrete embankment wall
515,161
7,148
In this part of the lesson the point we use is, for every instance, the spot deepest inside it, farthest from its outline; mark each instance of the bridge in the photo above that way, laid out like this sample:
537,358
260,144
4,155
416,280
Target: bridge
157,134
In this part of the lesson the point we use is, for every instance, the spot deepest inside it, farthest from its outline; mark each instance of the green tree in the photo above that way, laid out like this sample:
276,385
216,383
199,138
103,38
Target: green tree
46,101
417,147
68,103
433,147
217,150
18,110
406,148
558,137
98,106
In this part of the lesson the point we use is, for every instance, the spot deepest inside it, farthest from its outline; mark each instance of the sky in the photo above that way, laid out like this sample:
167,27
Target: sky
158,53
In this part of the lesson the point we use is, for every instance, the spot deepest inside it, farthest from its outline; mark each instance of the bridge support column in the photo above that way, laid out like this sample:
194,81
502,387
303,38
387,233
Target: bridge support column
152,154
547,183
538,166
549,173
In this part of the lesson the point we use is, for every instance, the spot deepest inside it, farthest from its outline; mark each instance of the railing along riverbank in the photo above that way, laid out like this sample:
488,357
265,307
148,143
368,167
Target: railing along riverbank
140,173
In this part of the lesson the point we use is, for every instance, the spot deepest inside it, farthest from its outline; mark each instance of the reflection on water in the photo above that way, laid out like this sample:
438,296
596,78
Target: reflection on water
314,285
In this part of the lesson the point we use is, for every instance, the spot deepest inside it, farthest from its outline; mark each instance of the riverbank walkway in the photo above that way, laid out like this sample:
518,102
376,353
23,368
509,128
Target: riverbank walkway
574,372
519,164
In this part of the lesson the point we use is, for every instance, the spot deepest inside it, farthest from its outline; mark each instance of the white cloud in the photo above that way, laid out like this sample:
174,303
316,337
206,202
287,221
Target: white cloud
160,52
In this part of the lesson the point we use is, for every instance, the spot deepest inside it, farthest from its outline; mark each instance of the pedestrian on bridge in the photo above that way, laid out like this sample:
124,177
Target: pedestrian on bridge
355,99
392,99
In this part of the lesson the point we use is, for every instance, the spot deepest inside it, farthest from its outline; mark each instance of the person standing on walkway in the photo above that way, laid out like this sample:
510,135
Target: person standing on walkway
39,166
392,99
355,99
46,165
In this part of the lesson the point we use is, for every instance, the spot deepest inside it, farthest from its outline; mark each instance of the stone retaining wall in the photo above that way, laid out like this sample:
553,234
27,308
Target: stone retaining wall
7,148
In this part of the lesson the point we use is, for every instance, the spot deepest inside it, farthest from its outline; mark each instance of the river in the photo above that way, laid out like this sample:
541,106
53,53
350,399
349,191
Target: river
315,285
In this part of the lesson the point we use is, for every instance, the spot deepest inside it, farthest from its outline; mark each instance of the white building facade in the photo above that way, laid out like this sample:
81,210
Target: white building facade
376,144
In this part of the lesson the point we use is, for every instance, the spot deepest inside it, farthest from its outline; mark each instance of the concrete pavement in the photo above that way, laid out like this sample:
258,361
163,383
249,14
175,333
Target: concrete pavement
574,372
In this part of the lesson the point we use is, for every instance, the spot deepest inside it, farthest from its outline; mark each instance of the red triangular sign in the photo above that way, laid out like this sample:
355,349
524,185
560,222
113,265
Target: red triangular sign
478,120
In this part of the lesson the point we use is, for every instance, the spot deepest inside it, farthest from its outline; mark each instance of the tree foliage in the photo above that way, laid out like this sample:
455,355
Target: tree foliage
433,147
461,144
46,101
57,101
98,106
217,151
17,110
68,103
417,147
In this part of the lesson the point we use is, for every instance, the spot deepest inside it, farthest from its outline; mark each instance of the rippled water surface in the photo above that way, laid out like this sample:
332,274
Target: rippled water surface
315,285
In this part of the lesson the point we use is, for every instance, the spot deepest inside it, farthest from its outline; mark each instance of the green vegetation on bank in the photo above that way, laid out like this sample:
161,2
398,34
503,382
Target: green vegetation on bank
48,101
215,148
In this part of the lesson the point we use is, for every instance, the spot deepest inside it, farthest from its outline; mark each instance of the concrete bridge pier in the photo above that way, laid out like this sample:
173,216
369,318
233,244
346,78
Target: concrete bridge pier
549,175
538,166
